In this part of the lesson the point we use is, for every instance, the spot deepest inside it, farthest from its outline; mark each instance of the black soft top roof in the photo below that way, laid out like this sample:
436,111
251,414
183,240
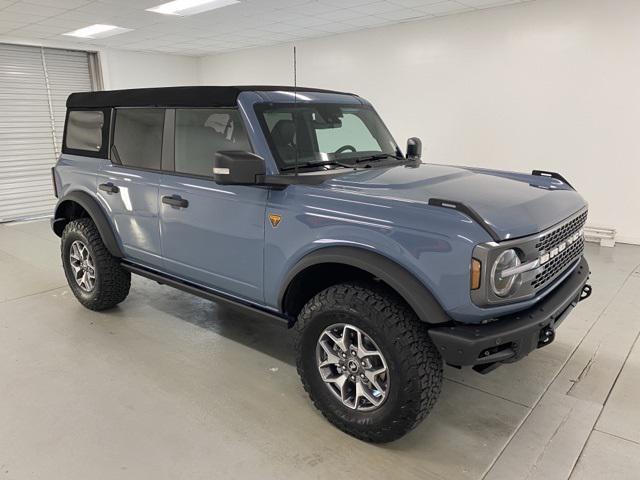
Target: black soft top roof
174,96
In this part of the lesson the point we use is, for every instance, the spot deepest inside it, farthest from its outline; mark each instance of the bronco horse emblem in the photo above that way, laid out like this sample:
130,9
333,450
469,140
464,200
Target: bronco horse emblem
274,219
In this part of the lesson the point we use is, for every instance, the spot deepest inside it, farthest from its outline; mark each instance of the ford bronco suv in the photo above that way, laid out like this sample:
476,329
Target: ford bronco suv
297,204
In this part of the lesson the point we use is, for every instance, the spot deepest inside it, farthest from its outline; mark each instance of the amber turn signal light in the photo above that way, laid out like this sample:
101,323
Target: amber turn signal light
476,268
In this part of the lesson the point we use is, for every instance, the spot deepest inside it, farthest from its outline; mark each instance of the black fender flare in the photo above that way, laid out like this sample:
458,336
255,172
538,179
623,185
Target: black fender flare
97,214
414,292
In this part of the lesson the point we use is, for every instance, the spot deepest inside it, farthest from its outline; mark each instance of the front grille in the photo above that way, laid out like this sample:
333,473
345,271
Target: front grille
557,264
551,239
546,243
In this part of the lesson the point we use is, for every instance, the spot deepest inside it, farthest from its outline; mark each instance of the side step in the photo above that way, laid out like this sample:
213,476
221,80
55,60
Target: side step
202,292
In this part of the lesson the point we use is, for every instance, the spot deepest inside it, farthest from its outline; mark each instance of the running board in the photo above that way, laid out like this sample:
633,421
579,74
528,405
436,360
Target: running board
202,292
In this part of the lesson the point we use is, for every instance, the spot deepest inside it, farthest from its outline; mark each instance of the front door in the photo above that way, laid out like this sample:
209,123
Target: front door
211,234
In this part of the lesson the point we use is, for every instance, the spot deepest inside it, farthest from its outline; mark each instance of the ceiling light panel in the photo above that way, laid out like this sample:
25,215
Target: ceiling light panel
223,25
97,31
190,7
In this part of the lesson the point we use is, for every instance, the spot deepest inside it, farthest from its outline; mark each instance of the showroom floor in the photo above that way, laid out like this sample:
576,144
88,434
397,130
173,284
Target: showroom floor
172,386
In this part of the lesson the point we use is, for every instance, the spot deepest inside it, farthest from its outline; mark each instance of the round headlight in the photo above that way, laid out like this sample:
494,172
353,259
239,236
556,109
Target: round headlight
502,286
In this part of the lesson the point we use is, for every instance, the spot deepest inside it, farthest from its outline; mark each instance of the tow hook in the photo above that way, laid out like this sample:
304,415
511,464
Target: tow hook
547,335
586,292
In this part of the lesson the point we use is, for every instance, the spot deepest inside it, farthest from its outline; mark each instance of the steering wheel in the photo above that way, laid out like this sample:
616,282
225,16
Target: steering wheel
344,148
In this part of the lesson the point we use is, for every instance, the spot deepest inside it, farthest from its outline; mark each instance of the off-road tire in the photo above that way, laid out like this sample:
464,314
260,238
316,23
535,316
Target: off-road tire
112,282
414,364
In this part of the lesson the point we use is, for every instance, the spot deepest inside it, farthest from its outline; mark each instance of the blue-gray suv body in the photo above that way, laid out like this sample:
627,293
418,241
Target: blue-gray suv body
298,204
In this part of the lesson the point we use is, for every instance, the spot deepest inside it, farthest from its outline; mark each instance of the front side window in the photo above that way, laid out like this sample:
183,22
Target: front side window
137,137
84,130
324,134
201,132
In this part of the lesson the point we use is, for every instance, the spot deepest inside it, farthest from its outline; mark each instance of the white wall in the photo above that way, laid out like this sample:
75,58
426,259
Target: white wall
548,84
129,69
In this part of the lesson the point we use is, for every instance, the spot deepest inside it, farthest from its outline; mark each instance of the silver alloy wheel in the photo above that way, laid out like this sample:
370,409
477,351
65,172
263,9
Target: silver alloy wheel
82,265
352,367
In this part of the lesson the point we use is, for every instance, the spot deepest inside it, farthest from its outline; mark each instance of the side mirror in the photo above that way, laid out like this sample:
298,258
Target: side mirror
414,148
238,168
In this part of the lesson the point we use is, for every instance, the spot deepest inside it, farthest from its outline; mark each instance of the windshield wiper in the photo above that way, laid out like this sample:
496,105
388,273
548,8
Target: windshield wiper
369,158
378,156
317,164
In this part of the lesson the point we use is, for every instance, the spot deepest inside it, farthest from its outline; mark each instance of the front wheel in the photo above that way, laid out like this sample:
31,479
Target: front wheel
367,362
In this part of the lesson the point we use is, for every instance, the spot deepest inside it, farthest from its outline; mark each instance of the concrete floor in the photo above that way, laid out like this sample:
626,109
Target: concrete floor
172,386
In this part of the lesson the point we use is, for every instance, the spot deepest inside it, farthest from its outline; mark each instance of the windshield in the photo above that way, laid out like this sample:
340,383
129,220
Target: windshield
319,135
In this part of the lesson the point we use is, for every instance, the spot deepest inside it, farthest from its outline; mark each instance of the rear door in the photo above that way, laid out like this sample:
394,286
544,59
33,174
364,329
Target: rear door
128,183
211,234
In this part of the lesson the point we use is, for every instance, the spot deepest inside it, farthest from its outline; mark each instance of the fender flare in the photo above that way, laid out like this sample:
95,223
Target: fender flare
97,214
414,292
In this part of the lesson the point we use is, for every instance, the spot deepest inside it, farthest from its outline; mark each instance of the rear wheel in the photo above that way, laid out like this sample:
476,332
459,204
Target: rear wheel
96,277
367,362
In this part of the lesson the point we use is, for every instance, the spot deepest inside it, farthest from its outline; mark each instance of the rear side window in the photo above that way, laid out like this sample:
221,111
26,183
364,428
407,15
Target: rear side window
84,130
137,137
201,132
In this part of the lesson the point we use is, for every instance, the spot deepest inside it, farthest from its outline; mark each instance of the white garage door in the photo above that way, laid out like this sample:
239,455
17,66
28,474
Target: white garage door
34,85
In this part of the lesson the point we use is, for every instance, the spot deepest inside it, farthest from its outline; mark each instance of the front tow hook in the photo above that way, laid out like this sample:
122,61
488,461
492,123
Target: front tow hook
586,292
547,335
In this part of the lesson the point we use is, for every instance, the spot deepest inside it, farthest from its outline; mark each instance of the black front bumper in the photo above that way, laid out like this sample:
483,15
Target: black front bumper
512,337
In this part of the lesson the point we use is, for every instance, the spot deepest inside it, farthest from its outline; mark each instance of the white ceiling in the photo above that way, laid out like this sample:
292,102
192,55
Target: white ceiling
250,23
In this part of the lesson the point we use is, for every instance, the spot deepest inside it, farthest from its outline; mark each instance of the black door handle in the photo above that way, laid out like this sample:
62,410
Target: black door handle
108,187
175,201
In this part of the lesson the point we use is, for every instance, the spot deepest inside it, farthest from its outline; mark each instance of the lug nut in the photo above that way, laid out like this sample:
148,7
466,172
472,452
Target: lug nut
344,355
353,353
353,377
363,364
362,375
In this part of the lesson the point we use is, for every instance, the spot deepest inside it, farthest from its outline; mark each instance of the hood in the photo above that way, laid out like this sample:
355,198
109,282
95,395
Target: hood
513,204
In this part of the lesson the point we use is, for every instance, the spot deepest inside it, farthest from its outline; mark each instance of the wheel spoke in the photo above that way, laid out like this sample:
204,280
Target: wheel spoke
332,358
74,254
372,377
364,353
339,341
341,383
359,346
348,340
363,392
